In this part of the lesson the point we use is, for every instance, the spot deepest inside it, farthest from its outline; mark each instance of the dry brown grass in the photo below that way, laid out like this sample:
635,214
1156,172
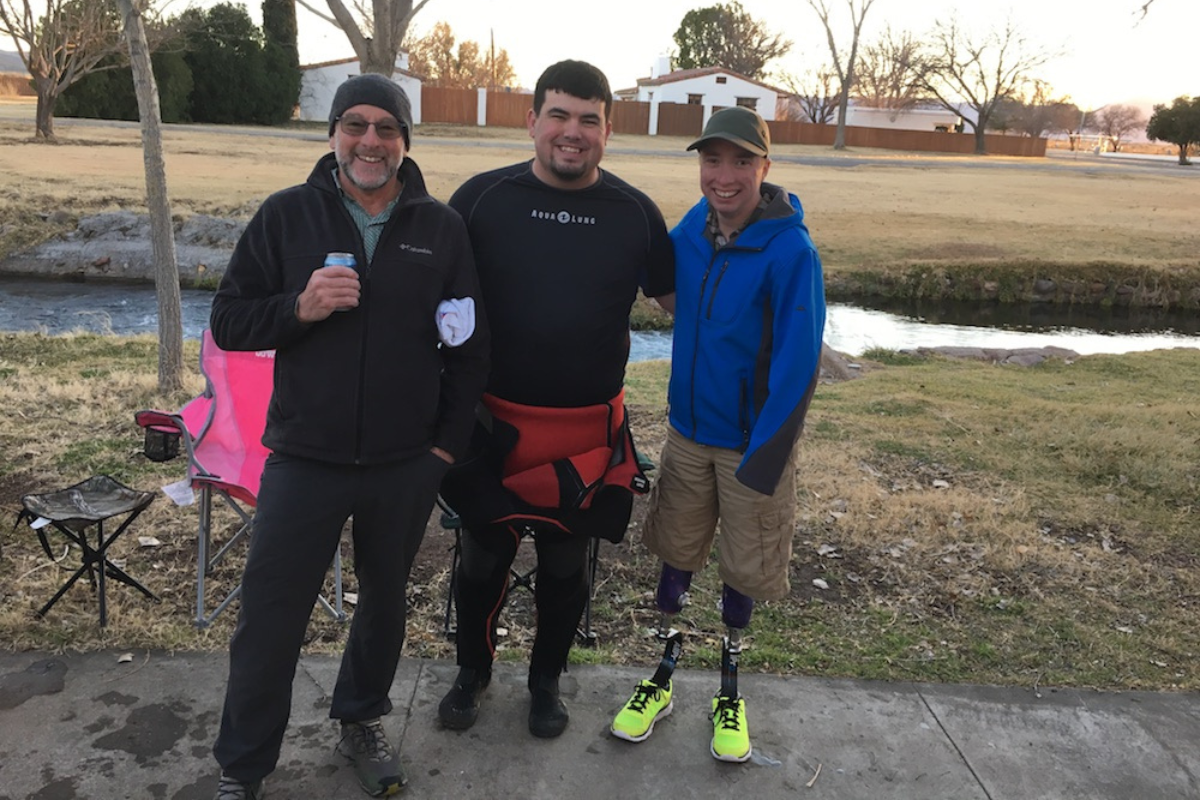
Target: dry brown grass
971,523
883,213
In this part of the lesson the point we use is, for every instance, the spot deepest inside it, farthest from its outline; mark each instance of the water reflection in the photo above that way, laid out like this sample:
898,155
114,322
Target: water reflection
59,307
854,329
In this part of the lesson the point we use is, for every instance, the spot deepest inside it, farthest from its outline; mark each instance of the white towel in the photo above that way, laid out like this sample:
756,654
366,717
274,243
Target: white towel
456,320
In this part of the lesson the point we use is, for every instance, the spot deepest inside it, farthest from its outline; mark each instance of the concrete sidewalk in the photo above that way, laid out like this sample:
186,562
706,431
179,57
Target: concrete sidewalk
87,726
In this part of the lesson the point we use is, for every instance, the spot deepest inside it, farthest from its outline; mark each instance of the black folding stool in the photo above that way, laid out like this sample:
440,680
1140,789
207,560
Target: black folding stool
76,509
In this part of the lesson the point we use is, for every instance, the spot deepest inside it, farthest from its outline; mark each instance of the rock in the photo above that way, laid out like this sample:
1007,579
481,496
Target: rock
1021,357
835,366
116,245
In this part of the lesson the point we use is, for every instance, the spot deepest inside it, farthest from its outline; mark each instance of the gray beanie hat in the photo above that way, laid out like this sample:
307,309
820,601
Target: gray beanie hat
373,90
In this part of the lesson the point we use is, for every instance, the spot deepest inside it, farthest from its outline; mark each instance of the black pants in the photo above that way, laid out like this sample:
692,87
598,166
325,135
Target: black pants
302,506
560,594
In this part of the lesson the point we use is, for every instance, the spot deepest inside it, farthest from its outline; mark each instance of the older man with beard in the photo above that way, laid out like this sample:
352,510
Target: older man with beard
370,407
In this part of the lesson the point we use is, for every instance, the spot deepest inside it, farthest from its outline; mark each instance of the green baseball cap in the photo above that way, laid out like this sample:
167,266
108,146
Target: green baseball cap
739,125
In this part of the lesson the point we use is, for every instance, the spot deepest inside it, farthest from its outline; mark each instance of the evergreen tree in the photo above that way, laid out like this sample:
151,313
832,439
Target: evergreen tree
1179,124
281,84
108,93
225,53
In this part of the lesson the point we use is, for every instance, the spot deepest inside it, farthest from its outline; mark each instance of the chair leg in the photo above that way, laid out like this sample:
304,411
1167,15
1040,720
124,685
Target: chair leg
587,637
335,608
449,626
202,544
100,593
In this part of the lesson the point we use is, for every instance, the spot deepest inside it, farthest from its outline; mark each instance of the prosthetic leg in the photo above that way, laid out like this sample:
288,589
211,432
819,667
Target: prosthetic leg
731,735
651,699
670,598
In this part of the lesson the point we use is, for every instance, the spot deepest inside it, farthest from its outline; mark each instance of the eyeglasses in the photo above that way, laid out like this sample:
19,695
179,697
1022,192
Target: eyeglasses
357,126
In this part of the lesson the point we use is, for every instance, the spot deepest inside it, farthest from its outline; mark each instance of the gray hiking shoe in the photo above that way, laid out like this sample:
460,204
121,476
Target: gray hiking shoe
376,764
232,789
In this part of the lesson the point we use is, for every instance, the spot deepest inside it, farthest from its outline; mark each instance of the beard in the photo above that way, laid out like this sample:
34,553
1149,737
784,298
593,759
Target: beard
367,179
568,172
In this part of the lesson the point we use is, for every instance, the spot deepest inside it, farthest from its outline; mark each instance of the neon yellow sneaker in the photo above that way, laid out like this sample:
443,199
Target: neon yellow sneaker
649,704
731,736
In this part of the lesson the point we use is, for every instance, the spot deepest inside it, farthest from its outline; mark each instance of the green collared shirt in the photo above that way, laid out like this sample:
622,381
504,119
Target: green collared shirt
369,227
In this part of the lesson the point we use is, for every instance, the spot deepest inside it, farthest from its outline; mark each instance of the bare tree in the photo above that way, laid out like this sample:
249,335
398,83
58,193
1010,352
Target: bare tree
1034,112
376,36
845,69
162,233
891,72
814,96
436,59
68,40
1116,121
984,72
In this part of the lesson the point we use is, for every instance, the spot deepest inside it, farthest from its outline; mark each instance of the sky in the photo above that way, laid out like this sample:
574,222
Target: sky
1106,55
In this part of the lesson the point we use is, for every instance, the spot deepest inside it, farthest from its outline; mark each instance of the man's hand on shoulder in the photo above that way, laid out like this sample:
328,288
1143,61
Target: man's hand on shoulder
329,289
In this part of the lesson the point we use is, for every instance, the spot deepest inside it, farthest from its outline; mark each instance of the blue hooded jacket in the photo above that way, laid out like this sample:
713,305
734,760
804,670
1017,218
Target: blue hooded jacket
749,319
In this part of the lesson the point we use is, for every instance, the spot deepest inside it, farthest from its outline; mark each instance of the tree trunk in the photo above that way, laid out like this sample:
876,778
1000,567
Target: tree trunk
44,119
1183,156
377,63
980,141
839,139
162,234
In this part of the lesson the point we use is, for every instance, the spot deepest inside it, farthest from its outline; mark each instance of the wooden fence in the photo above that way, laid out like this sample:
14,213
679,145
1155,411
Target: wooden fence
680,119
631,116
918,141
16,84
458,106
509,109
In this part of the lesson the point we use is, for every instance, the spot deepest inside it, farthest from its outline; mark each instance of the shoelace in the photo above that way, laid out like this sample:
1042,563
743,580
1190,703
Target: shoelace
369,739
727,713
642,696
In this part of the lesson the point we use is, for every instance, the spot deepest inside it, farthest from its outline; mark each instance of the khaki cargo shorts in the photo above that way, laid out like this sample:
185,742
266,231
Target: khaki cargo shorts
696,487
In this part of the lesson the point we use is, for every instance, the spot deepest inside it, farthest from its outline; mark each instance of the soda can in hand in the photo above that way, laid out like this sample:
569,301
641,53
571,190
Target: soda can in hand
341,260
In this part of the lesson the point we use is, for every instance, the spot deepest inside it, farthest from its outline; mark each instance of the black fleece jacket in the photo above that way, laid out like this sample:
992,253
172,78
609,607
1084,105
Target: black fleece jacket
369,385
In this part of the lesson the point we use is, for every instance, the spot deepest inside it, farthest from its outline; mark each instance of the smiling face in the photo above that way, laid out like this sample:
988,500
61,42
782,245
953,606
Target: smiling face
731,179
367,164
569,135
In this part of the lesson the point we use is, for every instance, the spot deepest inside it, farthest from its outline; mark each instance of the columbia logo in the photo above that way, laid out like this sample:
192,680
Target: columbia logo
563,217
412,248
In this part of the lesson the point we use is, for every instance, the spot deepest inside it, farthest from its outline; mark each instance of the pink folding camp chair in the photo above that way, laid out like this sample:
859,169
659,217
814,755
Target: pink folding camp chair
221,431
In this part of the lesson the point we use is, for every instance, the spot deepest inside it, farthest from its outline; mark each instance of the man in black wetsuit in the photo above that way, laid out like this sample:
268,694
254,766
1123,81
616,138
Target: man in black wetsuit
561,247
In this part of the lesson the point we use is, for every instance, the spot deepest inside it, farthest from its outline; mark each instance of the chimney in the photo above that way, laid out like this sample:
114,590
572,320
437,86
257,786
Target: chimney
662,66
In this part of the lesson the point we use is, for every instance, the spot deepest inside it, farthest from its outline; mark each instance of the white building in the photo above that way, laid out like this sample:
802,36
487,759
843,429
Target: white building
319,82
914,119
713,88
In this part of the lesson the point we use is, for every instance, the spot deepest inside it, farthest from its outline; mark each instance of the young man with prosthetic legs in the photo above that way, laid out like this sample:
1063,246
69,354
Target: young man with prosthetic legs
749,317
